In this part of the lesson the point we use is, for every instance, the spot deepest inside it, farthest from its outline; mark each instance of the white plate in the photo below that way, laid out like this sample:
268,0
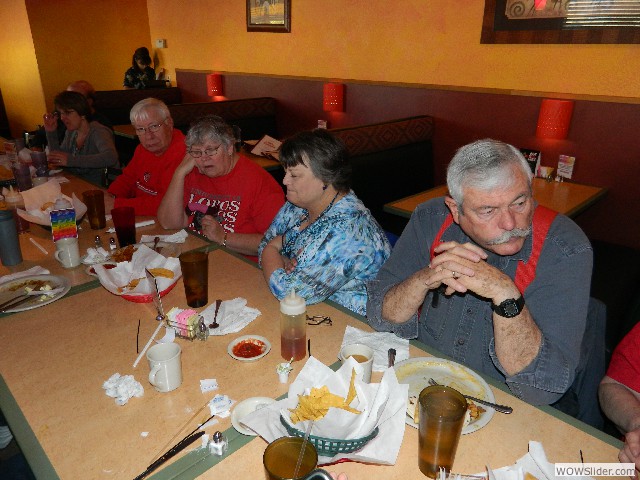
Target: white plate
265,349
246,407
52,280
417,371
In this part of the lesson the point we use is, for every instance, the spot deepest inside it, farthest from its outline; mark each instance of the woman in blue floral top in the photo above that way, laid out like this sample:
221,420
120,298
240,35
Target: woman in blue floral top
323,243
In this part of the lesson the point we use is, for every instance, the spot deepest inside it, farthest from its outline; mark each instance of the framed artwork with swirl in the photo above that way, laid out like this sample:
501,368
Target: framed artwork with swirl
561,21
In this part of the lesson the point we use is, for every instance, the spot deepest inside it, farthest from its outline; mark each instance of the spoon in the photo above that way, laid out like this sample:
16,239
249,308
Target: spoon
215,324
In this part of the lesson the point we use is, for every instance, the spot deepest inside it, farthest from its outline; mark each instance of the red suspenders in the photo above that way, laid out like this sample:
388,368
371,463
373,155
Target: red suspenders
525,272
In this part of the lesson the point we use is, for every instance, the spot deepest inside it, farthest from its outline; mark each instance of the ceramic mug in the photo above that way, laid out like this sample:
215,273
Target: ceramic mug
67,252
165,366
363,354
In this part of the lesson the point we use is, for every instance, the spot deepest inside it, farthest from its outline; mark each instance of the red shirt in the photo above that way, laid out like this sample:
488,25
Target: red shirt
145,180
246,199
625,361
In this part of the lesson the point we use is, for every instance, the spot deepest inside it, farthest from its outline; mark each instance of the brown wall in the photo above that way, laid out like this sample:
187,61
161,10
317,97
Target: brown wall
602,137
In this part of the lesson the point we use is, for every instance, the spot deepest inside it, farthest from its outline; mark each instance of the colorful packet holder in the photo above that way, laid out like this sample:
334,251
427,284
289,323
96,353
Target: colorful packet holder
63,224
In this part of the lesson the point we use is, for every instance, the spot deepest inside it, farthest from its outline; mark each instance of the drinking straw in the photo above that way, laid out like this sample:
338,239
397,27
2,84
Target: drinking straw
40,247
304,444
135,364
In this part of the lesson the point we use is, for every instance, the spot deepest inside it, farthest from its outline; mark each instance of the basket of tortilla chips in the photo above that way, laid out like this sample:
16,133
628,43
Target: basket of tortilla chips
314,406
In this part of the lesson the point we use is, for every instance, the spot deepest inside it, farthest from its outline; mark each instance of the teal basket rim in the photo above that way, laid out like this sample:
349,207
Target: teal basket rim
330,446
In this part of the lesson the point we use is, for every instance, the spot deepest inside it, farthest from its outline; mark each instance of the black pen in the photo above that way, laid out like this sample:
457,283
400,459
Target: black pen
435,299
172,452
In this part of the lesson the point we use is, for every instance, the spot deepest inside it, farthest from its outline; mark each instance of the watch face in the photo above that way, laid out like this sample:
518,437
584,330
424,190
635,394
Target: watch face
510,308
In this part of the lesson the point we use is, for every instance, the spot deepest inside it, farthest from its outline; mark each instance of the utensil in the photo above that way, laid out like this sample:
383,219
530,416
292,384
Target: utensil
497,407
392,357
155,243
172,452
215,323
14,302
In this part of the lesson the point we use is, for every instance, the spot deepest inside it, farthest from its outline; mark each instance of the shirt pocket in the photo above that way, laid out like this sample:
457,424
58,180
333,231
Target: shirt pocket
433,319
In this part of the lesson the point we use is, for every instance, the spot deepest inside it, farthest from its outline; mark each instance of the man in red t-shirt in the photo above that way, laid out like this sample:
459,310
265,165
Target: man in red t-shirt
145,179
219,193
620,394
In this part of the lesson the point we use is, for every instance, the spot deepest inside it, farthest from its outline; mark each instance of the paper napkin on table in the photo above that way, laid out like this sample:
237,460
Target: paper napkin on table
233,316
122,388
383,405
381,342
178,237
535,462
35,198
119,280
96,255
143,223
25,273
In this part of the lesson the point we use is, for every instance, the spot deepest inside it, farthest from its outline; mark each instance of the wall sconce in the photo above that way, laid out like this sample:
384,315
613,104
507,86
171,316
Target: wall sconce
554,118
333,97
214,84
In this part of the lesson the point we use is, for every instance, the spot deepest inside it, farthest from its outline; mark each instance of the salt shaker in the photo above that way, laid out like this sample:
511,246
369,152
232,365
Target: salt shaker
218,444
112,243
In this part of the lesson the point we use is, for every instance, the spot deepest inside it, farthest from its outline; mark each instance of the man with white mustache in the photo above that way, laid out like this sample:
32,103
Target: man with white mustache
490,278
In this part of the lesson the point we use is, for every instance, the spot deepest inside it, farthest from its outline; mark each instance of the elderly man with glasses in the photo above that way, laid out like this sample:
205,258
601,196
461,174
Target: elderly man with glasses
219,193
145,179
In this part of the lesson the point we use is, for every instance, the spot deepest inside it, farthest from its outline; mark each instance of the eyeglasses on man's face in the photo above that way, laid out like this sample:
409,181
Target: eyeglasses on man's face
153,128
209,152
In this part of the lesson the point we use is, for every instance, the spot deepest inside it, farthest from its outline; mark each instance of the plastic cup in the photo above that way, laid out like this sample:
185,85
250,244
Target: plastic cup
363,354
195,276
281,457
124,221
442,411
39,162
22,175
94,199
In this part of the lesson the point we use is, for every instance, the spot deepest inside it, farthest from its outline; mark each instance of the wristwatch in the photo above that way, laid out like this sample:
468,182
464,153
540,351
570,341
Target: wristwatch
510,308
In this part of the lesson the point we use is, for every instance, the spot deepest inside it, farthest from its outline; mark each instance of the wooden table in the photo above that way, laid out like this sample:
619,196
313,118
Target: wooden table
126,131
53,364
32,256
565,197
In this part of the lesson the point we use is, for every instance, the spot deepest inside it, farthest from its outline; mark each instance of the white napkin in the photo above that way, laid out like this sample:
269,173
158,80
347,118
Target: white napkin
96,255
122,388
535,462
233,316
124,272
178,237
25,273
383,405
35,197
141,224
381,342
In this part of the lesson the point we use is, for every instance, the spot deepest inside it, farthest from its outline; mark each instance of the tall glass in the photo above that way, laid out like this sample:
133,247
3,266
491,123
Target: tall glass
281,457
124,221
442,411
195,276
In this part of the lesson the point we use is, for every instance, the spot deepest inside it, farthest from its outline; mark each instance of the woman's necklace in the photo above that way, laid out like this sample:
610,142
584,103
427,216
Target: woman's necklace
294,232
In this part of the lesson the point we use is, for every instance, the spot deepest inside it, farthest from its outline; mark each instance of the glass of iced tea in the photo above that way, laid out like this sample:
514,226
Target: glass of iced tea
441,411
195,276
281,457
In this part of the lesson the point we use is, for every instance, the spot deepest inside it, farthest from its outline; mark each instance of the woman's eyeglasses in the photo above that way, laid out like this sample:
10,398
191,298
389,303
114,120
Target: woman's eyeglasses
319,320
209,152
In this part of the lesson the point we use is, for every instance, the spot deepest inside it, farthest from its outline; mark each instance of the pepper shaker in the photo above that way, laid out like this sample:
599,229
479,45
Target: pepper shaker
112,243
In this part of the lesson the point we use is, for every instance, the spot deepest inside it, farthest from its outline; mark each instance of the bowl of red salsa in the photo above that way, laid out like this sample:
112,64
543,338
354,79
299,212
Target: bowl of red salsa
249,348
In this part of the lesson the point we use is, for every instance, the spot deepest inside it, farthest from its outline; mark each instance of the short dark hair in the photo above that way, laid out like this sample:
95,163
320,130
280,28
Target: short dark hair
323,153
73,101
141,54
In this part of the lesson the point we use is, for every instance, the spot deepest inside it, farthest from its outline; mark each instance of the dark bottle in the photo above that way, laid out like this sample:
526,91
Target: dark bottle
10,253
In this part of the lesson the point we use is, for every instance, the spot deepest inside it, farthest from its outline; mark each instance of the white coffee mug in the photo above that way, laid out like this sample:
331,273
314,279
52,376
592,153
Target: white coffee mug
165,366
67,252
363,354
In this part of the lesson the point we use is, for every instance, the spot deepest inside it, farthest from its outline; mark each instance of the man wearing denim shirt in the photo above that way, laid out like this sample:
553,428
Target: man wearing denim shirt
452,282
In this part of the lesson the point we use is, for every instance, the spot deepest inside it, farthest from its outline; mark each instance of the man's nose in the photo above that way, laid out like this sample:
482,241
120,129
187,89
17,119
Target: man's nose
507,220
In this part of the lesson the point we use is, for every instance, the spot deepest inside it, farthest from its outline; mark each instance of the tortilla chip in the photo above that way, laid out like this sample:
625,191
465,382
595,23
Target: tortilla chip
161,272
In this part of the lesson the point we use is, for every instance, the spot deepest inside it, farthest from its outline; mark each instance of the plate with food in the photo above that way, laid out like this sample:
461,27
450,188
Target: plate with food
249,348
18,288
246,407
416,372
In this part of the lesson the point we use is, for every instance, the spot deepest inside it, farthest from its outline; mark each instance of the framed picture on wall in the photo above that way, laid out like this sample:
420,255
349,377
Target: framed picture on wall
269,16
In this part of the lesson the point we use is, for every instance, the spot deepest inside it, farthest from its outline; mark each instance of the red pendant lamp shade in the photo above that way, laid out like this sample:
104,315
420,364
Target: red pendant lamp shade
333,97
214,84
554,118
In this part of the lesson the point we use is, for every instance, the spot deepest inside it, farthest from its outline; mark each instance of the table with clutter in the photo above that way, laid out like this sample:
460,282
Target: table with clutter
80,409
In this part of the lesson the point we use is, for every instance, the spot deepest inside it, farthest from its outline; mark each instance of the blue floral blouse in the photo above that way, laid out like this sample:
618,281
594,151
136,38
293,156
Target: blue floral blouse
337,254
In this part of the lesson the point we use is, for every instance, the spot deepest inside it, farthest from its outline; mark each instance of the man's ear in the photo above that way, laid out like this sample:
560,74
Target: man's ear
170,122
453,208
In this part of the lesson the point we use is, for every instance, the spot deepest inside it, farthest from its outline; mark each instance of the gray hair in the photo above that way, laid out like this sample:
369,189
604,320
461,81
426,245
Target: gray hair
484,164
210,127
140,111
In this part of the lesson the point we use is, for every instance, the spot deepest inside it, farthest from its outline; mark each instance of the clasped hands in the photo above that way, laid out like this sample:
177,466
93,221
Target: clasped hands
463,267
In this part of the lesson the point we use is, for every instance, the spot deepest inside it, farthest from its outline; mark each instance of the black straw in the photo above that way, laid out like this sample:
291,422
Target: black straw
138,338
309,347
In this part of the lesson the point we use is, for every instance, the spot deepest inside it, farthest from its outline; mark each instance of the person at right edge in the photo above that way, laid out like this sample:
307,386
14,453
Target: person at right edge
490,278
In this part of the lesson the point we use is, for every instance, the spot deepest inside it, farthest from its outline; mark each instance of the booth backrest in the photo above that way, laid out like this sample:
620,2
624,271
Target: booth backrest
390,160
116,104
255,116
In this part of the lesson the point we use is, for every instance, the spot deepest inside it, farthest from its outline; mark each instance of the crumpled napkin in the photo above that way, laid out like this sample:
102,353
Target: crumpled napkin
178,237
124,272
383,405
96,255
35,197
122,388
380,342
535,462
143,223
233,316
25,273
